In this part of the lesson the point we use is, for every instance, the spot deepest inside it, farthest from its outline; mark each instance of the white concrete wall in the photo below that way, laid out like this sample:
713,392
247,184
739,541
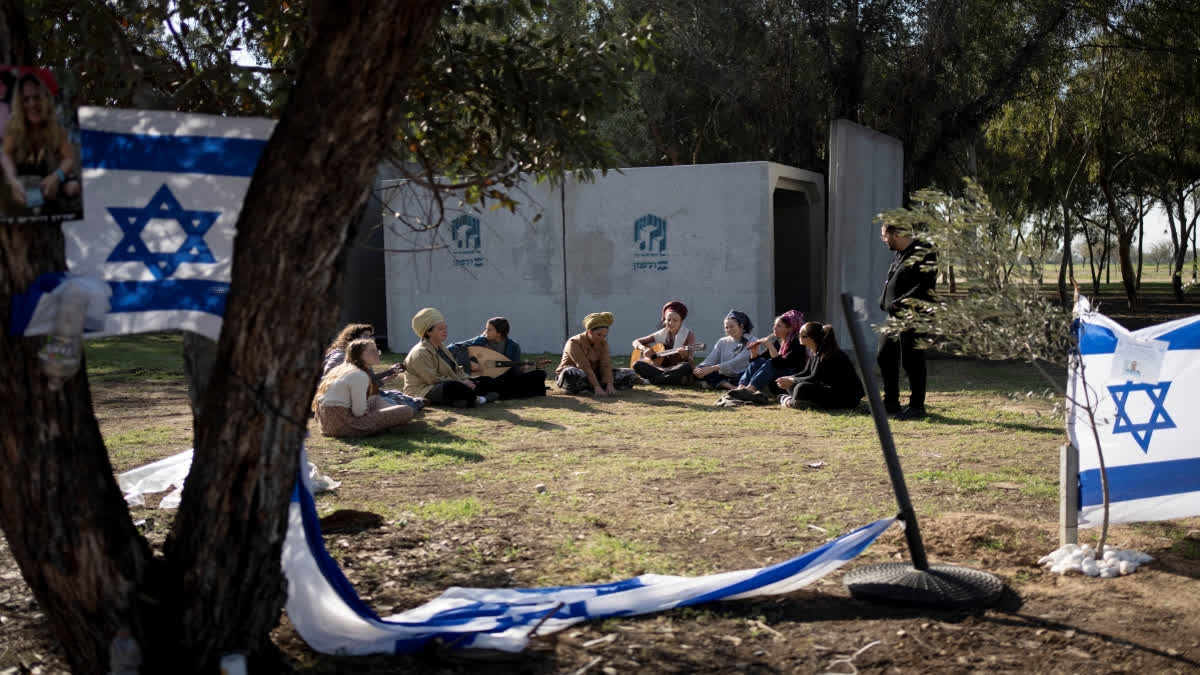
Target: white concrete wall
717,254
866,177
515,271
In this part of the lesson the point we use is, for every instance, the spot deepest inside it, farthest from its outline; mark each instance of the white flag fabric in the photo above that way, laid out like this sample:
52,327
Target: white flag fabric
164,191
332,619
1145,389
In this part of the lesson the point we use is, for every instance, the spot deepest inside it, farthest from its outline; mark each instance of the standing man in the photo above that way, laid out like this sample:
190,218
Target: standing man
912,275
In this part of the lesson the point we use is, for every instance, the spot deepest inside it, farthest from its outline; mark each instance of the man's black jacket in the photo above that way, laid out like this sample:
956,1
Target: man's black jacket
906,278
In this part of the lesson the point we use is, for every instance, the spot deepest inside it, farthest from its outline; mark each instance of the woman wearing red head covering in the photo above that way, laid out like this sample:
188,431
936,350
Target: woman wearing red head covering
675,368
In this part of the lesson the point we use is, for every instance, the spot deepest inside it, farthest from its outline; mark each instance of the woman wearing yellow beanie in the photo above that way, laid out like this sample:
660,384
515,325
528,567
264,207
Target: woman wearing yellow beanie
431,372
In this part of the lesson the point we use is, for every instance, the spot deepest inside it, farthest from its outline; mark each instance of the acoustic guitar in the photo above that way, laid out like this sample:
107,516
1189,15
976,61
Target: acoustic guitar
656,352
494,364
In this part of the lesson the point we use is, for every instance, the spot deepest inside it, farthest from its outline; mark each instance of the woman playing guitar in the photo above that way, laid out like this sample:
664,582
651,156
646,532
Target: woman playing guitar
676,367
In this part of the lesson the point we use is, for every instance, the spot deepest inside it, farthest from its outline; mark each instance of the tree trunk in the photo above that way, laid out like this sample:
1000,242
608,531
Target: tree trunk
224,548
1141,240
221,585
1124,244
1064,298
61,511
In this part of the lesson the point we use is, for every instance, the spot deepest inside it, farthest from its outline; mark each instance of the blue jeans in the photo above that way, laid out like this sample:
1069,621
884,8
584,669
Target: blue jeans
715,378
762,375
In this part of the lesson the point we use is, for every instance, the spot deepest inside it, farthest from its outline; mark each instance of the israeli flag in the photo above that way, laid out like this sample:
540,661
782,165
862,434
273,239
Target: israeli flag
332,619
164,191
1144,387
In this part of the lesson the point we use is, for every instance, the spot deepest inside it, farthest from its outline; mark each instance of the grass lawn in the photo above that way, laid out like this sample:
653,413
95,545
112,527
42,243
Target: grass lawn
563,490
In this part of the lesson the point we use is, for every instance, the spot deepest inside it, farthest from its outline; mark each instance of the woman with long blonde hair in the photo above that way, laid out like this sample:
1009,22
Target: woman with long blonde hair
348,402
37,146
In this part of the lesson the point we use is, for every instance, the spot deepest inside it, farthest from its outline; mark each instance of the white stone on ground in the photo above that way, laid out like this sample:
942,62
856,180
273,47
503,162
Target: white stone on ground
1113,561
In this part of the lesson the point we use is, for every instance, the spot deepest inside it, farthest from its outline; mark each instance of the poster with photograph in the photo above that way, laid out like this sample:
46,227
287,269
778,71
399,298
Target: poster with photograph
40,157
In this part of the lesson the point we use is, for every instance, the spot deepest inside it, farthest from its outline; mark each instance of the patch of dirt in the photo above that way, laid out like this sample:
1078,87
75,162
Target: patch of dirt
1146,622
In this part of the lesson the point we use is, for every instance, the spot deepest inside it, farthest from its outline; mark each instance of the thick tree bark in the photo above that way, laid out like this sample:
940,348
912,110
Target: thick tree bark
61,511
221,586
224,549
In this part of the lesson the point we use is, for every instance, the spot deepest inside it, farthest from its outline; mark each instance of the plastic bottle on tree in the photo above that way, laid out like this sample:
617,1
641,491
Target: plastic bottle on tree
62,353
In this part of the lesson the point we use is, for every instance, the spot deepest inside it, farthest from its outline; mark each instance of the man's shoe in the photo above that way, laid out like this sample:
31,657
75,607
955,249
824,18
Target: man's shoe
911,413
892,409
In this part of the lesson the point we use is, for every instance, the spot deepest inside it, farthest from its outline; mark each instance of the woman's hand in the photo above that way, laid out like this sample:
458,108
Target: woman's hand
50,186
786,382
470,384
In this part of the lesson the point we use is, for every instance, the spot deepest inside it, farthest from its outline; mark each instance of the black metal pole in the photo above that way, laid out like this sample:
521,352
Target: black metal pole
916,548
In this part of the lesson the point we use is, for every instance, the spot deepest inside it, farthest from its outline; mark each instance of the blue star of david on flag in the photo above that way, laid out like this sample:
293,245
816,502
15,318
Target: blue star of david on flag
163,205
1159,419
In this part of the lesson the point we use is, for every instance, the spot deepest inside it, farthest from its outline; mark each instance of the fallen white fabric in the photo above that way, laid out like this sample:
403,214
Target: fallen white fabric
332,619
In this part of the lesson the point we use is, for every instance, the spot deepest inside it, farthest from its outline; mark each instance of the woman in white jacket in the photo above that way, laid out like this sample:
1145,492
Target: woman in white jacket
348,401
729,357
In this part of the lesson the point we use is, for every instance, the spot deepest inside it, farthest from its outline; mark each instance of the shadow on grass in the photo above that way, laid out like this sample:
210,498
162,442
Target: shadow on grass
657,397
419,437
503,411
807,606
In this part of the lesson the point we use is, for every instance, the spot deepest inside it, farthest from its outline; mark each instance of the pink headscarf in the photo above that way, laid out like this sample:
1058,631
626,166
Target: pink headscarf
794,320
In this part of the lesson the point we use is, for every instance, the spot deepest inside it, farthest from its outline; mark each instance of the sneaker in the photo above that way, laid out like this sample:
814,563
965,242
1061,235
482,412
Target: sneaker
705,386
742,394
492,396
911,413
785,400
480,400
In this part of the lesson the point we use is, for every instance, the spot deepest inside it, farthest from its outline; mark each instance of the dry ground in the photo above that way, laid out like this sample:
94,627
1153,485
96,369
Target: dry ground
659,480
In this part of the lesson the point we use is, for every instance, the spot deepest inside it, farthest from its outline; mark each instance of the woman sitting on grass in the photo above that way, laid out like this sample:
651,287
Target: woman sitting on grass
347,401
674,368
730,356
432,373
516,382
782,355
335,355
828,380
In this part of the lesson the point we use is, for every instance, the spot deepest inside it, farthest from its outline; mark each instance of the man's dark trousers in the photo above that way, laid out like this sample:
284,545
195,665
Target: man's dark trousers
892,353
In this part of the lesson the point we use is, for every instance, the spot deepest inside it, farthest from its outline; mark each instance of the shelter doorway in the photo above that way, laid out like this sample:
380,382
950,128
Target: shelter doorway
799,255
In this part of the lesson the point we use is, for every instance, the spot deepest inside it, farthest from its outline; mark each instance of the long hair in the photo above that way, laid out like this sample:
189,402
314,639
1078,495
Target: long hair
354,360
350,333
822,335
34,145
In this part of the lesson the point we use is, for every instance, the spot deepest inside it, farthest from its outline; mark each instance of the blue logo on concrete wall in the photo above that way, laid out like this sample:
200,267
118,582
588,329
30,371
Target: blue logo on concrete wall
650,243
467,245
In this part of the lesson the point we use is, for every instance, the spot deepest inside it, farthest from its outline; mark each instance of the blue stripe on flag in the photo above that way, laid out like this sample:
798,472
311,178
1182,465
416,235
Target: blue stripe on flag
170,154
1094,339
25,304
1141,481
316,547
1184,337
198,295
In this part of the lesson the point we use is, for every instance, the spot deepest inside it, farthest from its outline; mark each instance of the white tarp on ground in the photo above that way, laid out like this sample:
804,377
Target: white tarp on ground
1145,389
332,619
